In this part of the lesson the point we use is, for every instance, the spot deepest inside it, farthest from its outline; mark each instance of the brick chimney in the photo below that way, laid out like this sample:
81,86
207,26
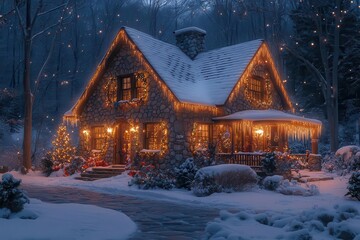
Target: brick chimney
190,40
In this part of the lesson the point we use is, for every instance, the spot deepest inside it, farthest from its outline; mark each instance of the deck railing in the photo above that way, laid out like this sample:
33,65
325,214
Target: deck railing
253,159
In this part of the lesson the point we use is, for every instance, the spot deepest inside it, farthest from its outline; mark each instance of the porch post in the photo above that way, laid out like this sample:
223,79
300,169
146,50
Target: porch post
314,143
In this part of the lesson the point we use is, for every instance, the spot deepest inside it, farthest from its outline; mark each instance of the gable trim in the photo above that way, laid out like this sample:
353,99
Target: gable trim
76,110
263,49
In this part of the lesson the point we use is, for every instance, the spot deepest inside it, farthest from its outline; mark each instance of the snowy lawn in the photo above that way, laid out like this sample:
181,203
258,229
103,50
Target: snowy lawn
331,193
66,221
287,216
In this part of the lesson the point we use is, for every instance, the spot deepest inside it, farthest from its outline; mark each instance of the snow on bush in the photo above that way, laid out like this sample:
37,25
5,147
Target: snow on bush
11,197
345,160
223,178
185,173
272,182
148,177
294,188
341,222
354,185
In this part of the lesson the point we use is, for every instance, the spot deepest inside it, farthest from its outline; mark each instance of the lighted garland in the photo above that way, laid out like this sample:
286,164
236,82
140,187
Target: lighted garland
164,139
111,89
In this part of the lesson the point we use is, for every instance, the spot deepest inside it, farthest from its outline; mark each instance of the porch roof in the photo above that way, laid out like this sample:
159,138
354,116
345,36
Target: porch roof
267,115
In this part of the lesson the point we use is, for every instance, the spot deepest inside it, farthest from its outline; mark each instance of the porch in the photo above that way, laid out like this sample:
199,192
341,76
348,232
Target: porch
245,137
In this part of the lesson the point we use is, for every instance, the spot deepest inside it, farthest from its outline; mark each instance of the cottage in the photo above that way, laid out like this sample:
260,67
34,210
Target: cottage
157,98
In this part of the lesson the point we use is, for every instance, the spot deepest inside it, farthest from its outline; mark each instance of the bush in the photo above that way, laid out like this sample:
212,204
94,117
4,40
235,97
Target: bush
344,161
149,178
47,165
185,174
269,163
354,185
223,178
293,188
272,182
11,197
75,166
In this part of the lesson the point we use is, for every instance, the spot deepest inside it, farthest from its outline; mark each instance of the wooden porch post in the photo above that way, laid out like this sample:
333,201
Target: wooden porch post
315,142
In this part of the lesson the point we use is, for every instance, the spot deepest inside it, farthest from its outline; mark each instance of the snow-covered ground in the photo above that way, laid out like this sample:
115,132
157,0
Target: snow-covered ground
66,221
277,207
331,193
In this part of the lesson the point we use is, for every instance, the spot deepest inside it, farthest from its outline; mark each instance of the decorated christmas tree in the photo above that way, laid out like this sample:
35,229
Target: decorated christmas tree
62,152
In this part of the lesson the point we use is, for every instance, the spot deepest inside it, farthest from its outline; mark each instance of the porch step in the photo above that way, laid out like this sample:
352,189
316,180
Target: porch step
97,173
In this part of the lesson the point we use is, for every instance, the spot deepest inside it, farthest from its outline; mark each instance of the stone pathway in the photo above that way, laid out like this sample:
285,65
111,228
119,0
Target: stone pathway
155,219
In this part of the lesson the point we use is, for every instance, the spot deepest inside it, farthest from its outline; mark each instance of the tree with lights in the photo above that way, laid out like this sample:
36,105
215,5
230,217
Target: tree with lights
62,152
319,43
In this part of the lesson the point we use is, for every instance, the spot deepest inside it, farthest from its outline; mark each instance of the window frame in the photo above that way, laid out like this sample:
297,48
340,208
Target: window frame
208,136
95,139
255,93
147,138
134,87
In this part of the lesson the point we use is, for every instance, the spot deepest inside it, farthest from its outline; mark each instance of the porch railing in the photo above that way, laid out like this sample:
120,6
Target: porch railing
250,159
253,159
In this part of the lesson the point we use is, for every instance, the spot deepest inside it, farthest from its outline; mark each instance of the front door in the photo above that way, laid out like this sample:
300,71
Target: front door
123,146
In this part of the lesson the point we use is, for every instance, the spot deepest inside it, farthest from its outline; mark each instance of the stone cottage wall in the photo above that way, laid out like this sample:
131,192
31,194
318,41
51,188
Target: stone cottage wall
157,108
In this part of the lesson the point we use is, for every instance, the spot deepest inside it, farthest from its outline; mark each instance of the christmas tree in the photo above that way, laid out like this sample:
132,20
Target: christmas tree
62,152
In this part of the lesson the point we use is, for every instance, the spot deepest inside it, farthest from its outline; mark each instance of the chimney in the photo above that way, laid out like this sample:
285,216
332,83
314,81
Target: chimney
190,40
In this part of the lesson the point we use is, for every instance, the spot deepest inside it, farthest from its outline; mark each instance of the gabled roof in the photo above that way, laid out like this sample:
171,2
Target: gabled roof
208,79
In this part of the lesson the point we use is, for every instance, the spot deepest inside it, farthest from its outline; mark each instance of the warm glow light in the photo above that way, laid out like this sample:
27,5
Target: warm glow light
110,130
86,132
259,132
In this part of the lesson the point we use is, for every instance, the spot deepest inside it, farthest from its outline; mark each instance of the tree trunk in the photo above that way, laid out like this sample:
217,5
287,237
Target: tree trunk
27,91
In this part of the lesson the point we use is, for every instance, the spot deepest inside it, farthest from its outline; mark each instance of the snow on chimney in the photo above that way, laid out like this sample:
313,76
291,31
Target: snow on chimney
190,40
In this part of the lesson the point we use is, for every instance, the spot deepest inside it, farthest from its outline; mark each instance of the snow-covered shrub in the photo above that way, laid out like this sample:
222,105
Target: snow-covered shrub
272,182
47,165
294,188
269,163
345,160
341,222
224,178
148,177
204,185
75,166
354,185
185,174
11,197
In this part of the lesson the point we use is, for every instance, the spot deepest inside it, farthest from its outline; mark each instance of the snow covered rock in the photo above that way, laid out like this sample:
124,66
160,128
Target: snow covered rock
347,152
223,178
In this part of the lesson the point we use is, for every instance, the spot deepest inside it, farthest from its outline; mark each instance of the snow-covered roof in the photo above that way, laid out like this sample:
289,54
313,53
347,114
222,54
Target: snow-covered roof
267,115
189,29
208,79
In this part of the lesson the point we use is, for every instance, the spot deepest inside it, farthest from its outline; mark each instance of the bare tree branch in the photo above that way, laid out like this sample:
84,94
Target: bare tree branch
21,20
53,9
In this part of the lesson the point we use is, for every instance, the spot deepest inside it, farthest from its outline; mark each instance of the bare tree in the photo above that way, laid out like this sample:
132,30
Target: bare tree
27,26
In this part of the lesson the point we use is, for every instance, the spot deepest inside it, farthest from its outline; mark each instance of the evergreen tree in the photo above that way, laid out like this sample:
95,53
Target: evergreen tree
62,152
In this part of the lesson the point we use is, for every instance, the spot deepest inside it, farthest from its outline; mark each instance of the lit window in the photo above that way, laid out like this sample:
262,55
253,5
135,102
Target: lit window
99,136
255,88
202,135
130,88
153,136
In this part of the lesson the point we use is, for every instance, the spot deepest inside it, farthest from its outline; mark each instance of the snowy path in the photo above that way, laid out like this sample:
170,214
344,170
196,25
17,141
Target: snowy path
155,219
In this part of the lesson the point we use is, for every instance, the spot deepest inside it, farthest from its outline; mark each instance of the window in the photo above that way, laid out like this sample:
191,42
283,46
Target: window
99,136
202,136
255,88
153,136
130,88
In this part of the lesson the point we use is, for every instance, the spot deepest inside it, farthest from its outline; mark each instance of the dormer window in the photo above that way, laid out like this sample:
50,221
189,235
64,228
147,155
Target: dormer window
129,87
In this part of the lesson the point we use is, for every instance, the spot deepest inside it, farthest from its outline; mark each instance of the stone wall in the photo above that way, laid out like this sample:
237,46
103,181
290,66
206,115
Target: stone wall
191,43
157,108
